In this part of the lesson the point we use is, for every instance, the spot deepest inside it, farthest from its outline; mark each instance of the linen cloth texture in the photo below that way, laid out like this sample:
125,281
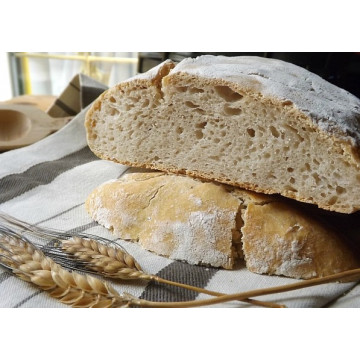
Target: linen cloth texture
47,184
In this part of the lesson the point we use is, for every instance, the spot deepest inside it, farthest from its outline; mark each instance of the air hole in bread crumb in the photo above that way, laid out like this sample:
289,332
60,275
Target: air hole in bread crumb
199,134
290,188
292,180
195,90
181,88
274,132
231,111
201,125
290,169
191,105
145,103
179,130
129,106
340,190
113,112
316,178
228,94
251,132
112,99
333,200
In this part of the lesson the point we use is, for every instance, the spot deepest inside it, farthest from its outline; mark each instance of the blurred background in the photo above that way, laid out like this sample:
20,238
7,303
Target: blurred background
40,73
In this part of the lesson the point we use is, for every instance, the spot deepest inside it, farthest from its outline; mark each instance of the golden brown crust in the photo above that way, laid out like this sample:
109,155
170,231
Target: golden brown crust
203,222
173,216
279,239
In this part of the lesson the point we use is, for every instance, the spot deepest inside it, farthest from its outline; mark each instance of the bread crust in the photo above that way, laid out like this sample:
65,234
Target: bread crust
205,223
173,216
279,239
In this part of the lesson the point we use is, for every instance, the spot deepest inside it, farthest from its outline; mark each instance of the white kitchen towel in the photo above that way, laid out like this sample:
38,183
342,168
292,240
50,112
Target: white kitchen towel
47,184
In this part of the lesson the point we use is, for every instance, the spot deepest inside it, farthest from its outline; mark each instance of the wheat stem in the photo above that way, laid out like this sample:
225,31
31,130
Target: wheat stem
215,293
345,276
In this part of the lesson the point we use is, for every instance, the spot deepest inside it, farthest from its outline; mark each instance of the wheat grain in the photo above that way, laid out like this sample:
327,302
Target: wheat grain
105,260
30,264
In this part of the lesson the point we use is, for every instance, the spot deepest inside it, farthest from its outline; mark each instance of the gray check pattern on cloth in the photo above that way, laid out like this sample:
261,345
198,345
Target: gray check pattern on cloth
47,184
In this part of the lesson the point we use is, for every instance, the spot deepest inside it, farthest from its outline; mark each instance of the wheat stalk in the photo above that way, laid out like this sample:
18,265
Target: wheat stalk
71,288
345,276
30,264
118,264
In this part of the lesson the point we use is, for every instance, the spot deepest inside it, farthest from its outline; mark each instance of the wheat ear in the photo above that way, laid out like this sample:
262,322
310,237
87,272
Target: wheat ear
71,288
118,264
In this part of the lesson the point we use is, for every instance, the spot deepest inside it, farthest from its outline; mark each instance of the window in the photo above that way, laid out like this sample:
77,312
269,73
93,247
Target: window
49,73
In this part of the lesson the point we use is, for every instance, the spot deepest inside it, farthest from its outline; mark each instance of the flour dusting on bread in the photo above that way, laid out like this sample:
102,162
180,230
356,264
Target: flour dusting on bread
222,225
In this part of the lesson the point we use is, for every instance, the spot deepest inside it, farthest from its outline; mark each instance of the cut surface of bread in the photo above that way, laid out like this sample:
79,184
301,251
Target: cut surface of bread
208,223
260,124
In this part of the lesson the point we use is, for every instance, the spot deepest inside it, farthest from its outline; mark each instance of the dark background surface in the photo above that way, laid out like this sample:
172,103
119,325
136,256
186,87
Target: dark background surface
341,69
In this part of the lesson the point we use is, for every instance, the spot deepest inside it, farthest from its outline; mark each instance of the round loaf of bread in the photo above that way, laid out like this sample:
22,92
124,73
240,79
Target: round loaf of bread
214,224
260,124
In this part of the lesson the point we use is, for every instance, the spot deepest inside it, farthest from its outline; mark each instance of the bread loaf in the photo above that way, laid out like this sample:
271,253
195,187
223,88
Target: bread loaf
260,124
214,224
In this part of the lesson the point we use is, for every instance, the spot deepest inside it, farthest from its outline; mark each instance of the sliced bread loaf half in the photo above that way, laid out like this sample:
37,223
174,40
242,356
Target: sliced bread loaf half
260,124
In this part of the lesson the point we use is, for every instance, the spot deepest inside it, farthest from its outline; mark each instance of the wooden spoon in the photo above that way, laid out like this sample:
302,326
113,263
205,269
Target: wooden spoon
22,125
